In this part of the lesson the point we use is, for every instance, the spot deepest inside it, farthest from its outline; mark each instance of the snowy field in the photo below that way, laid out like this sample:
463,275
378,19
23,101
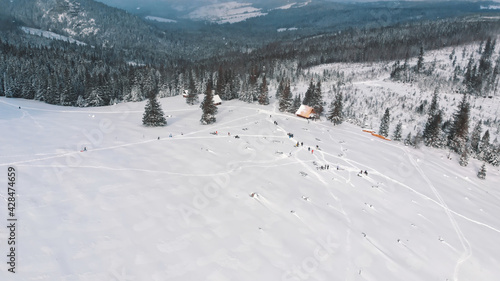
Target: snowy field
199,206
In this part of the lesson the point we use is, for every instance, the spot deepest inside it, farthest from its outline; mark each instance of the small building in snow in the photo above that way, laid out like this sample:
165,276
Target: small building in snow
306,111
217,100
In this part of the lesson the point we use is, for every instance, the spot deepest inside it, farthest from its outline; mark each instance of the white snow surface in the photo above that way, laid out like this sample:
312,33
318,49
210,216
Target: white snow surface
50,35
159,19
229,12
198,206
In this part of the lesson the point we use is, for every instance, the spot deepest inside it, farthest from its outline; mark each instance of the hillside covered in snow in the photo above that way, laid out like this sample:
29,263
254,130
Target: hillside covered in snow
245,203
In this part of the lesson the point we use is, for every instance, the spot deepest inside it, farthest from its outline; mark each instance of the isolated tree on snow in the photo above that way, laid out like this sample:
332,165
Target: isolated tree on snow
153,113
384,125
264,92
336,115
207,106
482,172
398,132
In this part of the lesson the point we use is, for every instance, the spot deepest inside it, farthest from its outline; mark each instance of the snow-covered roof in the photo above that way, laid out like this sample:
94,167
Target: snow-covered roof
305,111
217,99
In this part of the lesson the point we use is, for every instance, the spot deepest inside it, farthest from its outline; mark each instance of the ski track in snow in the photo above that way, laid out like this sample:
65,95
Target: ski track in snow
463,240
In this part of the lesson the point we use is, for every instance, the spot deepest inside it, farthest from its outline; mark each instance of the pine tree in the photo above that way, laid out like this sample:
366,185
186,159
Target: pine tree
207,106
482,172
285,100
221,84
153,113
470,76
384,125
397,135
408,140
317,100
192,97
464,158
309,95
432,130
459,130
336,115
264,92
281,87
475,138
420,61
295,104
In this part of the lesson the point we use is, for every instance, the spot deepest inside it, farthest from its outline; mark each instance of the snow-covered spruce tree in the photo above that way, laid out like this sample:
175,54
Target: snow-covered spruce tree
295,104
285,100
432,132
308,97
464,158
384,124
482,172
153,113
336,115
408,140
317,100
420,62
457,137
397,135
208,107
246,93
475,138
281,87
192,97
264,92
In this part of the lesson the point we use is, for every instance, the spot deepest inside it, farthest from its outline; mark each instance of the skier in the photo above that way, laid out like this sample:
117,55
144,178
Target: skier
366,172
308,149
312,151
85,148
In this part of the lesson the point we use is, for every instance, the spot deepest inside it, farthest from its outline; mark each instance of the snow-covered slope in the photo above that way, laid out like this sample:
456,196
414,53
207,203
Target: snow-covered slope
229,12
50,35
140,205
159,19
371,91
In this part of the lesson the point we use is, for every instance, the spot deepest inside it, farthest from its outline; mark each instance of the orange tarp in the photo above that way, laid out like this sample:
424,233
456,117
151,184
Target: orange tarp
380,136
